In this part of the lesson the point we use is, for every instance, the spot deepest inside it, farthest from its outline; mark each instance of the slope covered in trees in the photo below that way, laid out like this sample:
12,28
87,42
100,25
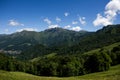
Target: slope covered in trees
89,41
65,65
103,37
50,37
64,60
61,41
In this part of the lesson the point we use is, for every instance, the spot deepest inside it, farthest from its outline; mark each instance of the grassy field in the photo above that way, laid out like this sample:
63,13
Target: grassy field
109,48
112,74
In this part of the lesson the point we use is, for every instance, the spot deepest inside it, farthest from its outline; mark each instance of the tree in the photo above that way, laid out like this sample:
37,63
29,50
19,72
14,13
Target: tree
98,62
69,66
115,55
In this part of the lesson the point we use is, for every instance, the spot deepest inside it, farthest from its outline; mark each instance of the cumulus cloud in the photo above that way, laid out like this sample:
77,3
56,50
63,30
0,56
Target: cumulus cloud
67,27
100,20
66,14
112,9
27,29
77,28
53,26
15,23
82,20
47,21
58,19
74,22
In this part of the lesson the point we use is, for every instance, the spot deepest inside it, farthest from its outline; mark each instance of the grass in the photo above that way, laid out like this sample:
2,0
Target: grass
109,48
48,56
112,74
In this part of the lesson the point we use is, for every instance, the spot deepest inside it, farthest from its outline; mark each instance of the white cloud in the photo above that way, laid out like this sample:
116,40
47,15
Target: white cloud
58,19
47,21
74,22
77,28
100,20
27,29
112,9
53,26
67,27
15,23
82,20
22,25
66,14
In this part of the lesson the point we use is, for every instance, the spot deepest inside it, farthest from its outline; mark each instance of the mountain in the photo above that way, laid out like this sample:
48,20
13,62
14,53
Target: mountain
21,41
90,54
61,37
17,41
58,40
86,42
107,35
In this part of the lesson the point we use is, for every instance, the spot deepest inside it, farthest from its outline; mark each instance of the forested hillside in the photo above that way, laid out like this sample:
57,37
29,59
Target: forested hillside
20,41
92,52
65,65
89,41
59,40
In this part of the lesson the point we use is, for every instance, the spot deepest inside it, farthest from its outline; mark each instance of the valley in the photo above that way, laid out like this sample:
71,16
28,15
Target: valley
59,40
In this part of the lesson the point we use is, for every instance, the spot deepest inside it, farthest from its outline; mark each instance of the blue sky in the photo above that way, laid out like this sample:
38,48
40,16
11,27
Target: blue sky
38,15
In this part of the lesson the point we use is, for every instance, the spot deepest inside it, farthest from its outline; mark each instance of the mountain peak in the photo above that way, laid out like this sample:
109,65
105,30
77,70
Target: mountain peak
56,30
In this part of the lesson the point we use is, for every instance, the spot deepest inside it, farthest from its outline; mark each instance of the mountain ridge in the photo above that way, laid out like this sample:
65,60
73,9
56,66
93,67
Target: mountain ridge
61,39
49,37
